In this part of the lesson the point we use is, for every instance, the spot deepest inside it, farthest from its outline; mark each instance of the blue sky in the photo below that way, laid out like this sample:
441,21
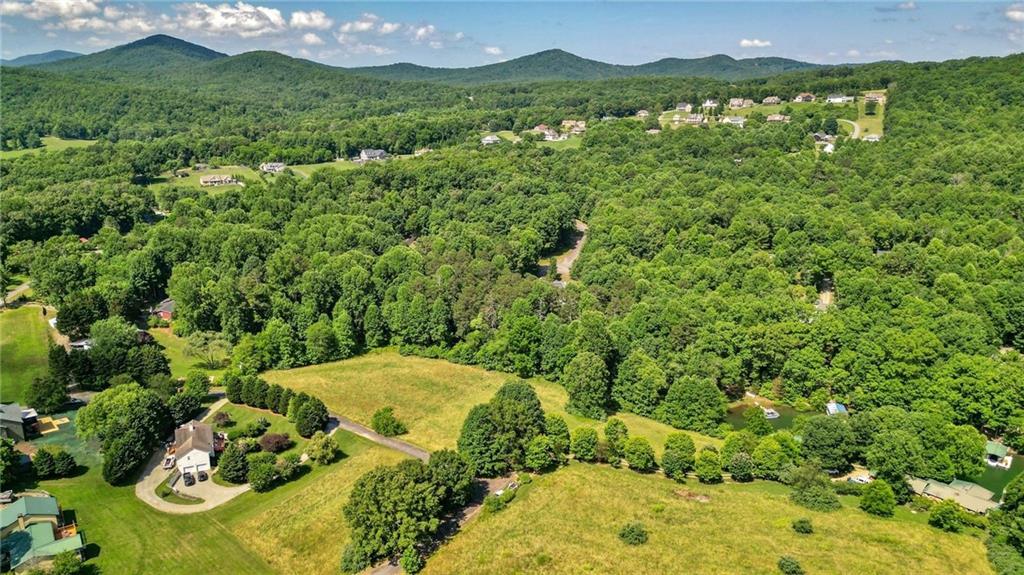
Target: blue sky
474,33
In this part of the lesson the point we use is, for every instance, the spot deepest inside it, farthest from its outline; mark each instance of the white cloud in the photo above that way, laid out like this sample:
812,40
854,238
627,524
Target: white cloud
311,39
1015,13
459,36
365,23
421,33
436,44
389,27
853,53
244,20
315,20
43,9
353,45
908,6
493,50
98,42
755,43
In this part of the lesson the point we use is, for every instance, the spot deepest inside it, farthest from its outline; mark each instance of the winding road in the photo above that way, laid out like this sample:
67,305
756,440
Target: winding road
563,263
14,294
856,128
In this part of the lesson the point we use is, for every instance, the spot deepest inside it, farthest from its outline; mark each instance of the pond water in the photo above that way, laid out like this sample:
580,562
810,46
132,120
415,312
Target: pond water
786,415
996,479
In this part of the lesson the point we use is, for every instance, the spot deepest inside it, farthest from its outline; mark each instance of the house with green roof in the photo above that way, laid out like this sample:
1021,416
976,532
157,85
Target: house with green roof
998,455
32,532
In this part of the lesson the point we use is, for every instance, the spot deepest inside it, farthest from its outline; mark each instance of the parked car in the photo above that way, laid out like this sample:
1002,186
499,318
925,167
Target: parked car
169,462
203,476
190,479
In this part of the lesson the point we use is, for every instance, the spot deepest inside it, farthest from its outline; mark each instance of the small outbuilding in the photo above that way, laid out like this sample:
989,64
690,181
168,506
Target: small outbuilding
833,408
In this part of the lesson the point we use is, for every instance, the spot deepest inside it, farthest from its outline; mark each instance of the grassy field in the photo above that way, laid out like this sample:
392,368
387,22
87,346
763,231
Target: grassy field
167,179
24,344
568,521
870,124
174,349
574,142
50,143
306,170
432,397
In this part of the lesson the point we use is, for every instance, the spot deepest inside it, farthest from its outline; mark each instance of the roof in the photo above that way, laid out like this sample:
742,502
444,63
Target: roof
10,412
833,408
168,304
191,436
28,506
997,449
372,152
970,496
38,540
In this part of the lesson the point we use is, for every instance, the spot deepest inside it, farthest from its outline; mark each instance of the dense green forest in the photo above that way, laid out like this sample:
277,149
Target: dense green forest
706,247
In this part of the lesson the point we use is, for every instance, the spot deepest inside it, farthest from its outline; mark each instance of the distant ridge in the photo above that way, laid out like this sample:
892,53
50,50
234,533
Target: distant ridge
44,58
562,65
159,51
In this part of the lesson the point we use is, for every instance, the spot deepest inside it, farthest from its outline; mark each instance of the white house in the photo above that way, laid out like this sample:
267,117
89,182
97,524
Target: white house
488,140
710,103
372,155
684,107
193,447
642,114
872,138
839,99
734,120
272,167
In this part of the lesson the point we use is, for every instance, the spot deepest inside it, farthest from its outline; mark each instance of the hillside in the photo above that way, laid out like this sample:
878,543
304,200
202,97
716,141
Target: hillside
37,59
561,65
147,55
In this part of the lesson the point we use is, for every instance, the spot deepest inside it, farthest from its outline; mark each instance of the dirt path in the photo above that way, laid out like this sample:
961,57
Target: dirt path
856,128
563,263
15,293
341,422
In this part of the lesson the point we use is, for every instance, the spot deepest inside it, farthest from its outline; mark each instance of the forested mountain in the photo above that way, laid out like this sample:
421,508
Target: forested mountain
36,59
154,53
561,65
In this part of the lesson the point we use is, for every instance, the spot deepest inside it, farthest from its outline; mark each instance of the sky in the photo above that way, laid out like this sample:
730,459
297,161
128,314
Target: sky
458,34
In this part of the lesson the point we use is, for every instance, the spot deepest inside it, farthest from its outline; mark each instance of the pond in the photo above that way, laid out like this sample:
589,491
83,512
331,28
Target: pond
785,420
996,479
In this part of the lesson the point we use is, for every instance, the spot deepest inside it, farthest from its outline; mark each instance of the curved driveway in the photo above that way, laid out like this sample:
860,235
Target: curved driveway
856,128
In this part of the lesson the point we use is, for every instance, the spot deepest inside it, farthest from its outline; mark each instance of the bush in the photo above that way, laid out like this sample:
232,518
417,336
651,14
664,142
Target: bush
233,465
223,419
540,455
708,466
948,516
276,442
742,467
878,499
803,526
790,566
813,490
311,417
385,423
848,488
322,448
633,533
411,561
262,471
289,466
678,458
640,455
584,444
354,559
64,464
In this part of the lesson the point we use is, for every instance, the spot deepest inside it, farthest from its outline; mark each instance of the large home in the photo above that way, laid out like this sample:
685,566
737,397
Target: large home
164,310
839,99
553,136
574,126
734,120
488,140
772,101
33,531
804,97
684,107
372,155
642,113
997,455
710,103
194,447
16,422
970,496
695,119
216,180
272,167
735,103
777,118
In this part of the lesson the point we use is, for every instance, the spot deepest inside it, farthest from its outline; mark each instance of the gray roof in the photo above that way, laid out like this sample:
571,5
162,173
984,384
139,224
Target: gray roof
168,304
11,412
193,435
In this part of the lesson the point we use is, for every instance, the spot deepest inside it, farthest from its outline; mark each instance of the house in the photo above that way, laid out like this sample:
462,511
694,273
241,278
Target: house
553,136
735,103
272,167
488,140
710,103
997,455
820,137
772,101
372,155
200,167
695,119
777,118
194,447
839,99
833,408
970,496
654,131
17,422
422,151
574,126
684,107
33,531
642,114
734,120
541,128
876,97
164,310
804,97
872,138
216,180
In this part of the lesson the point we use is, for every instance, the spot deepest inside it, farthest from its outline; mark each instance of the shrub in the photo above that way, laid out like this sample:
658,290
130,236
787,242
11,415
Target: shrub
311,417
947,515
584,444
43,464
289,466
640,455
275,442
322,448
848,488
411,561
633,533
539,454
223,419
813,490
708,466
493,504
790,566
803,526
64,464
742,467
262,471
355,558
615,434
385,423
678,458
878,499
556,429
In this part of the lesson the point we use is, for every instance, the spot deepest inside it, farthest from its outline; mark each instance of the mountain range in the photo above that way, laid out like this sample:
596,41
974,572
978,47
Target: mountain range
161,53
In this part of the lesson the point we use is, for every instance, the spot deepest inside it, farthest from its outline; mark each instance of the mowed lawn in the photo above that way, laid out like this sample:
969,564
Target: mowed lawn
870,124
432,397
24,343
568,522
50,143
242,416
174,349
192,180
